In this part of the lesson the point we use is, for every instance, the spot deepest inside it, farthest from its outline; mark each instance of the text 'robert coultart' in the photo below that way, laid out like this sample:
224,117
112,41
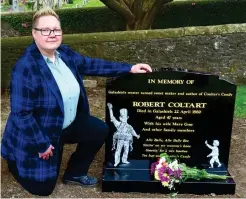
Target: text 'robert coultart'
170,104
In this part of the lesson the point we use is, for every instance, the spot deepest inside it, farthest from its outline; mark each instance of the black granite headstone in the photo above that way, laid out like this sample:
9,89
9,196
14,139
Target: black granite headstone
187,115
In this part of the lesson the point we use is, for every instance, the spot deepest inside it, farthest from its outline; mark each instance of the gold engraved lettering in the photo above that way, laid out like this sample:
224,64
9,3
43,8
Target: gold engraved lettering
227,94
148,104
141,110
151,150
191,94
170,81
186,105
148,123
145,129
151,81
185,156
116,92
162,111
132,93
148,145
185,130
211,94
177,124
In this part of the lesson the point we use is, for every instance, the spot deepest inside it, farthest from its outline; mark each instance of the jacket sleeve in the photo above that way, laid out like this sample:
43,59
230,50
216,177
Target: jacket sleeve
99,67
22,98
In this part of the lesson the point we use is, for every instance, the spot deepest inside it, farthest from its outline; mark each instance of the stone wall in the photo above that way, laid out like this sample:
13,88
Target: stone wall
218,49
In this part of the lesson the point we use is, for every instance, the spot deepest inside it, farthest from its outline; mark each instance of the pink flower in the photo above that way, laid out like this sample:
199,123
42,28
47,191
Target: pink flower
25,25
164,177
152,168
170,171
178,173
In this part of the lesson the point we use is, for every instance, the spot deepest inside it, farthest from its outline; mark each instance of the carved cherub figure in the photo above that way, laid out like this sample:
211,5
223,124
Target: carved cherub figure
214,154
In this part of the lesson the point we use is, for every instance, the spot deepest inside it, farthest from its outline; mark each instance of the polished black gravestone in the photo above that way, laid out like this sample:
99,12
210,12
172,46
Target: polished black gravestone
185,114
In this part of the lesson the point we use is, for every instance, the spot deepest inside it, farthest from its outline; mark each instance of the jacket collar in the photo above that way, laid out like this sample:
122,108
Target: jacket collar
45,71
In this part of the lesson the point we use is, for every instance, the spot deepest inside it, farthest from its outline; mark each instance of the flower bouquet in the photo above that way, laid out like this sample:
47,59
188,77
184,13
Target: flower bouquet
170,172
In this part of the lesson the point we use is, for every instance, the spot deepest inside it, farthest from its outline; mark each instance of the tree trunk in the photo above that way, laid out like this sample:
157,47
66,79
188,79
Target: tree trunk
38,5
139,14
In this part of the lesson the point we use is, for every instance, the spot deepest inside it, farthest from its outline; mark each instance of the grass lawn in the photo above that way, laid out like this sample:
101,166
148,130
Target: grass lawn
91,3
240,107
94,3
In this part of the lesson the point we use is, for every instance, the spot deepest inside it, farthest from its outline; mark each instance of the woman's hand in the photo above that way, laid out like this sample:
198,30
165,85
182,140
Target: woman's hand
141,68
47,154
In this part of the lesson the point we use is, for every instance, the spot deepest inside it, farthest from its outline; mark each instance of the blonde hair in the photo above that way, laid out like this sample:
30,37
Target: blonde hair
43,12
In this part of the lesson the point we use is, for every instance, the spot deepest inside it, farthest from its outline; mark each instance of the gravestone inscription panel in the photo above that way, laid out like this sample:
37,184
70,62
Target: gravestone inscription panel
187,115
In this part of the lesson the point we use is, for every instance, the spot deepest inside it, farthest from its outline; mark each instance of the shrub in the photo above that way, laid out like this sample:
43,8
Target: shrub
175,14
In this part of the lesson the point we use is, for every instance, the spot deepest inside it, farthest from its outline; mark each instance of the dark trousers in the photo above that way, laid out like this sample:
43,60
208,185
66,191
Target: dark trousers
89,132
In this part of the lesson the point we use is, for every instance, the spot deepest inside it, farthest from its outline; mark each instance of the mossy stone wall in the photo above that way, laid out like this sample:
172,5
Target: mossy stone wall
218,50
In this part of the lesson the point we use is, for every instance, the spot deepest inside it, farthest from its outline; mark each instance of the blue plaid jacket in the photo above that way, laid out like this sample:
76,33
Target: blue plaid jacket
37,112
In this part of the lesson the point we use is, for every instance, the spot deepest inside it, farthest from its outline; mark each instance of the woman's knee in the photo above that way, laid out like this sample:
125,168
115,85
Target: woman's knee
34,187
39,188
105,130
100,128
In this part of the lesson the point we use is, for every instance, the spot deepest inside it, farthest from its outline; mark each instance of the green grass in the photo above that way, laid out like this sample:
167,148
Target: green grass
4,8
91,3
240,108
94,3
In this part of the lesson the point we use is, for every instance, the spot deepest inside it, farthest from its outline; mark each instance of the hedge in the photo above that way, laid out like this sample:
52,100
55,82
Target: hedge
173,15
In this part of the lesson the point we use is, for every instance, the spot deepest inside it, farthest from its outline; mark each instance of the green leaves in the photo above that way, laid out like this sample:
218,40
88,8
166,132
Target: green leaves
198,174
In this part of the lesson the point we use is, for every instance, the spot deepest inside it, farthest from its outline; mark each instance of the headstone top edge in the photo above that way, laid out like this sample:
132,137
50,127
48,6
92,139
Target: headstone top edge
178,70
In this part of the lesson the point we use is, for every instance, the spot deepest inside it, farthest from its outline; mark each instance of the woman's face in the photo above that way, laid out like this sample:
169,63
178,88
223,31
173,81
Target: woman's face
49,43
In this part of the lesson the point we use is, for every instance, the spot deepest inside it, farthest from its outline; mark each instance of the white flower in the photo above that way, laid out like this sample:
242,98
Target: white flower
162,159
159,165
174,165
